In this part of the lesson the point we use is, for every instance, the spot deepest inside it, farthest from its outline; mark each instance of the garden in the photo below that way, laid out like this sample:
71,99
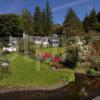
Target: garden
43,67
46,56
27,72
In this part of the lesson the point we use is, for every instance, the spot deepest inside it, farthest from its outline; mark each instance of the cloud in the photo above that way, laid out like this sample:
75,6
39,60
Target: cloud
69,4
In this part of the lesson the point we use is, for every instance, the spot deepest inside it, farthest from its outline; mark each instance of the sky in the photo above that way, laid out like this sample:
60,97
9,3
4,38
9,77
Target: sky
59,7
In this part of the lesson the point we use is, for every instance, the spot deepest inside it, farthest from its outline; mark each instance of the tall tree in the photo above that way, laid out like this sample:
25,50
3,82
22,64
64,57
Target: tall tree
98,22
86,23
43,22
28,22
57,28
10,25
90,21
37,18
48,17
72,24
98,16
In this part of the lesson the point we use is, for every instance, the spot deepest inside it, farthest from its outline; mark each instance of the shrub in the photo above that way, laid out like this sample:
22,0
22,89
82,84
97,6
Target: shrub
68,77
46,56
56,65
52,60
71,57
21,46
95,62
31,48
26,47
57,60
91,71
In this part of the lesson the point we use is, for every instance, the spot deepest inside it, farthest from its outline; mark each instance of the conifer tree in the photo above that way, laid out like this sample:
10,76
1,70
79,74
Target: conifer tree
98,22
72,24
98,16
90,21
86,23
48,19
28,22
37,18
43,22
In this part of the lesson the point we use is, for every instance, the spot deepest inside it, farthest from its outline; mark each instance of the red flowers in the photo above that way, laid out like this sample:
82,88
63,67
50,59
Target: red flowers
53,58
46,56
57,59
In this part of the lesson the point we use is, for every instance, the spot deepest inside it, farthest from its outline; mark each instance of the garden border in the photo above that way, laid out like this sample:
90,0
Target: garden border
31,89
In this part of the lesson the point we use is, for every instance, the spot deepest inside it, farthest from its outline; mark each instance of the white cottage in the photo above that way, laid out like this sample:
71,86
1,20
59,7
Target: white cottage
45,41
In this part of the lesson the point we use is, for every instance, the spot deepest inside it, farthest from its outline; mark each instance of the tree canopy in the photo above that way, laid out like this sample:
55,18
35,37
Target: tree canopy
10,25
72,24
48,19
91,22
27,22
43,21
40,23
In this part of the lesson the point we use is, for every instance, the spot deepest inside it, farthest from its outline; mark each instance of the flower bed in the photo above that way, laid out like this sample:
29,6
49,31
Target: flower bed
51,59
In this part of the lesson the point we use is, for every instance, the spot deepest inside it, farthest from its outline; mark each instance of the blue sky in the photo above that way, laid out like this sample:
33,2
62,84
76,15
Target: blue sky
59,7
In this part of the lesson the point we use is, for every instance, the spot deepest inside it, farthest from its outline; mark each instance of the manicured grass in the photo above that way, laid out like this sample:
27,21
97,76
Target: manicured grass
54,50
27,72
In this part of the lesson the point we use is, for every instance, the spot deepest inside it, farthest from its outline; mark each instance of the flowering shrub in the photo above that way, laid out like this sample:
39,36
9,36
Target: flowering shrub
71,58
57,59
46,56
52,60
50,57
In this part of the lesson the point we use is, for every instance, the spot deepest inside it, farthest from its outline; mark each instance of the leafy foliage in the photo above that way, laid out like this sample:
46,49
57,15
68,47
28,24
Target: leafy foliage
27,22
43,21
71,57
98,22
48,17
57,28
26,47
10,24
97,26
98,16
37,18
72,24
91,71
92,21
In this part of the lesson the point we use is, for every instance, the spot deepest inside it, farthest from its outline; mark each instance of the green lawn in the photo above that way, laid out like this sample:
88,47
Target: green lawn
27,72
54,50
